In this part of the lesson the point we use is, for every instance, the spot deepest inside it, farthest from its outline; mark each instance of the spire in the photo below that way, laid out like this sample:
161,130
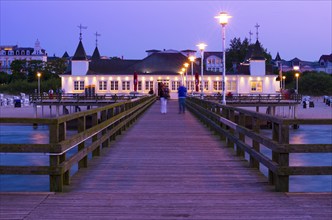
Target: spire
65,55
96,54
80,52
278,58
257,52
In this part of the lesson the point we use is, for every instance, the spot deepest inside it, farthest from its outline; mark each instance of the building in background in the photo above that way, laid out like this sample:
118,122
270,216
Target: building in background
123,76
10,53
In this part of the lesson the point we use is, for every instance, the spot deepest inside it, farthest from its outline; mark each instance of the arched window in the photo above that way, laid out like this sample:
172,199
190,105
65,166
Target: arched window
22,52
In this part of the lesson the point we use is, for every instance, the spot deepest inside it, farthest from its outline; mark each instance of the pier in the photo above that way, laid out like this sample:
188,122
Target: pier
146,165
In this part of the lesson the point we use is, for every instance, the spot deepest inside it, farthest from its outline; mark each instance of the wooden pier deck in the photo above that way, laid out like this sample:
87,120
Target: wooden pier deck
167,166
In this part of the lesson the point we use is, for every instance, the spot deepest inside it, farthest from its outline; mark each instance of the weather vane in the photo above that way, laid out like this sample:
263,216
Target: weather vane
97,35
257,26
81,27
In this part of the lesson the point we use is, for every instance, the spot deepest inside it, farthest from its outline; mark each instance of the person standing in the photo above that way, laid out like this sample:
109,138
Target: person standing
182,94
163,94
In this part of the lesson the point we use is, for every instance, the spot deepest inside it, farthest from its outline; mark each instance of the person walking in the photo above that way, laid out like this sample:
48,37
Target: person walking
163,94
182,94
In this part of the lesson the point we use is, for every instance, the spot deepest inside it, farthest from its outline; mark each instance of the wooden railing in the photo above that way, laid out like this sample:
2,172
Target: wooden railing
230,123
95,129
259,98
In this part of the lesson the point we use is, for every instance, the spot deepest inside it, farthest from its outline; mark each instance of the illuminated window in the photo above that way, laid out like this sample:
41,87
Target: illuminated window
256,86
148,85
102,85
78,85
139,85
114,85
125,85
217,85
175,85
231,85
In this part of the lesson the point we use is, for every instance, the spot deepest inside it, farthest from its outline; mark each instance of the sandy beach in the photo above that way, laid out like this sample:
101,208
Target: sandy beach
321,110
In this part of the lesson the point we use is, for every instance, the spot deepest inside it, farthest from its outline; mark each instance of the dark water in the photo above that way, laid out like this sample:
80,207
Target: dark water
40,135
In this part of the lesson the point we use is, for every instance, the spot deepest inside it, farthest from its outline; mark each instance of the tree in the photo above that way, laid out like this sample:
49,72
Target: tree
237,52
34,66
19,70
4,78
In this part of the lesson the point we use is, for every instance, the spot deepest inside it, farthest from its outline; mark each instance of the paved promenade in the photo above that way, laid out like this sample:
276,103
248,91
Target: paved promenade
167,166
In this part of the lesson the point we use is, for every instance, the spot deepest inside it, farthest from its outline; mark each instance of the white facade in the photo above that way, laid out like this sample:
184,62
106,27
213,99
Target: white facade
10,53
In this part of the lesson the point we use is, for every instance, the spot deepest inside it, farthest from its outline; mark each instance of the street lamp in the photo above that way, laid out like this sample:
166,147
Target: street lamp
192,59
201,48
186,66
297,82
38,75
183,70
284,82
223,20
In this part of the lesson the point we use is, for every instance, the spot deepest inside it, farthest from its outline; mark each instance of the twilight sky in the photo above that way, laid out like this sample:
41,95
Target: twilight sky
128,28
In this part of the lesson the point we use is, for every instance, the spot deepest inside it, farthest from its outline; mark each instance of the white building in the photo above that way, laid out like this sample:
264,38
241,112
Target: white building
116,76
10,53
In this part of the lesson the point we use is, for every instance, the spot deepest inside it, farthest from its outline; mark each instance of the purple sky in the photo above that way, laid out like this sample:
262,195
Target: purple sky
128,28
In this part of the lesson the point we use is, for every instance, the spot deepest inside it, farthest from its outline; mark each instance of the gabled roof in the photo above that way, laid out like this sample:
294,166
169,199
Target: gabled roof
96,54
110,66
80,52
65,55
212,53
326,58
164,62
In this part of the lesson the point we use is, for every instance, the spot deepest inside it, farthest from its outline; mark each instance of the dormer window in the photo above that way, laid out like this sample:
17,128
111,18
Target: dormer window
322,63
22,52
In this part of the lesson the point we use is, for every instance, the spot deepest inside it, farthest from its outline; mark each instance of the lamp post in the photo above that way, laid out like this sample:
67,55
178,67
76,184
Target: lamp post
284,82
182,71
297,82
297,68
38,75
201,48
192,59
223,20
186,66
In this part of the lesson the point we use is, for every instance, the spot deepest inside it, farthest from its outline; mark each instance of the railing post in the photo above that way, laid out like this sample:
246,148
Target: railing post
242,122
81,127
57,133
103,117
94,122
231,117
281,135
255,145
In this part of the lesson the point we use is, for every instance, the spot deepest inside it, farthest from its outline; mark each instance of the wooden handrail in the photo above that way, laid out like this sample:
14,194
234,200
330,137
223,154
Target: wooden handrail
99,126
229,122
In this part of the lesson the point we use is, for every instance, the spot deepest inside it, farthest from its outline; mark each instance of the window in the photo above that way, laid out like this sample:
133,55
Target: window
17,52
256,86
22,52
206,85
175,85
148,85
3,52
217,85
78,85
114,85
139,85
231,85
102,85
28,52
191,85
11,52
125,85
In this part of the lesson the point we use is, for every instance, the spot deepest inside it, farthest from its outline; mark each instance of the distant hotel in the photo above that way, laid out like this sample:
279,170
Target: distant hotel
10,53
